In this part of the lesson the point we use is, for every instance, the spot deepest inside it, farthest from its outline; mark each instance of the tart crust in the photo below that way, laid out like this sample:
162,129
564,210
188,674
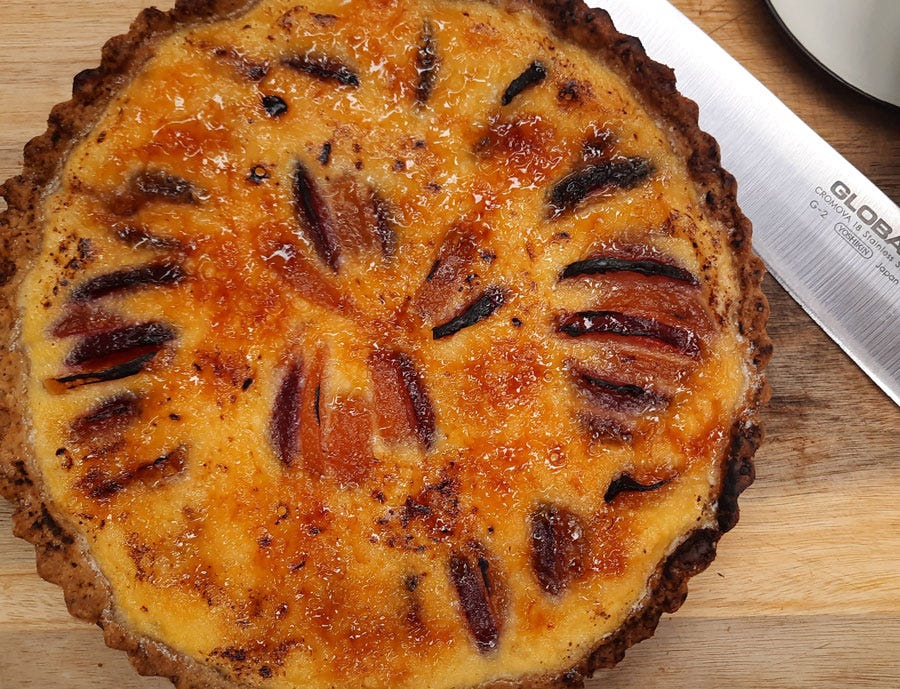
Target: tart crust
64,559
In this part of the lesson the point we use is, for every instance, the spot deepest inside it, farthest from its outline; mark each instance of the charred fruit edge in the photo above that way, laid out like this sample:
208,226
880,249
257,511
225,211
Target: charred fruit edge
61,556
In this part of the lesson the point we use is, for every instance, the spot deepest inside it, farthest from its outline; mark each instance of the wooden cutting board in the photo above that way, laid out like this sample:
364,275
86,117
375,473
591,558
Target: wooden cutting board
805,592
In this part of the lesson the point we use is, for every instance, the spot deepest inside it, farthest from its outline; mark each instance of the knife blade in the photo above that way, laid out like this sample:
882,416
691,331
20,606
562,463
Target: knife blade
824,231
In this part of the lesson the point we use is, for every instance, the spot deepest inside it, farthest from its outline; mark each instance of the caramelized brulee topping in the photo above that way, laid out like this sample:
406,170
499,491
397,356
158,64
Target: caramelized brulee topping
380,344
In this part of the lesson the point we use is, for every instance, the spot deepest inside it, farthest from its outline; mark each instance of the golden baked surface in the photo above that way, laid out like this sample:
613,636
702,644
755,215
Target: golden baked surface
381,344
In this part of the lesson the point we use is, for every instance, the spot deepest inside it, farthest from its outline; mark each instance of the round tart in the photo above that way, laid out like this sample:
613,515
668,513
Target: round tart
385,344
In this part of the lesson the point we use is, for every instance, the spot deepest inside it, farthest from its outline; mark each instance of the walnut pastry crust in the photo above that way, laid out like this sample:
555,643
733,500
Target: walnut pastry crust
386,344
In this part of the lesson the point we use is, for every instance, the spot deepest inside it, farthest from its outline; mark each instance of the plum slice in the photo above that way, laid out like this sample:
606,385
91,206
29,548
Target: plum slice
280,251
384,227
609,426
330,439
126,369
343,215
534,74
451,273
322,67
361,217
165,185
402,405
153,274
620,173
140,237
81,319
479,596
310,416
620,396
284,426
605,264
625,483
250,69
483,307
102,485
155,185
295,427
613,406
558,547
113,354
427,63
120,345
315,217
589,323
162,468
108,417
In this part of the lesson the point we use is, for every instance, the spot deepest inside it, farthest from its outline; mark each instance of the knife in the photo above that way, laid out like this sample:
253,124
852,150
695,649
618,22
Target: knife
824,231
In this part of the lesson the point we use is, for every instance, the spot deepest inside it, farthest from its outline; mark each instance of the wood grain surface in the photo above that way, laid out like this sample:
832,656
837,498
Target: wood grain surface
805,592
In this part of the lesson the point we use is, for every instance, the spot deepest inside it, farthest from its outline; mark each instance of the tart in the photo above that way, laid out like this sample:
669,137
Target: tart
343,352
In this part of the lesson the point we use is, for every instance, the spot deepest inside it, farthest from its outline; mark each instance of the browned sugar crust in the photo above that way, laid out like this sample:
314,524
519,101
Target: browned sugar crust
62,558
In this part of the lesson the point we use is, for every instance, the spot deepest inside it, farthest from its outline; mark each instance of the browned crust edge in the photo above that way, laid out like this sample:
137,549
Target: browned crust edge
61,559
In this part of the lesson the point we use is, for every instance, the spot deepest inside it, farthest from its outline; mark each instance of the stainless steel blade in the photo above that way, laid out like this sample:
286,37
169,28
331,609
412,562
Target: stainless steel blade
826,233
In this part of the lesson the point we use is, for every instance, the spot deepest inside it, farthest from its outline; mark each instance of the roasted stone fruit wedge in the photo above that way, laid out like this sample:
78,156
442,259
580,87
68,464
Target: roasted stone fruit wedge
399,345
